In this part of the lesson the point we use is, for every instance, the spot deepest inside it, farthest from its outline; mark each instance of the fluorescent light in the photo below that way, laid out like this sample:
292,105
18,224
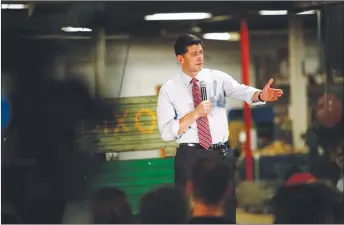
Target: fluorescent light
13,6
178,16
76,29
273,12
222,36
221,18
307,12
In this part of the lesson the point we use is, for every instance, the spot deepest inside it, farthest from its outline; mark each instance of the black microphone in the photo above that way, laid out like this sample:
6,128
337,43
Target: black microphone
203,90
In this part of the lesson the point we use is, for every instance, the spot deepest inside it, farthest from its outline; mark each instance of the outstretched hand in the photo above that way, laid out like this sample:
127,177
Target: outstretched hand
270,94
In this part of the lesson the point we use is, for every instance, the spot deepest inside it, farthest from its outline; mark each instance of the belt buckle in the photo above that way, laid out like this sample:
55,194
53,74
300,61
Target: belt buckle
215,146
191,145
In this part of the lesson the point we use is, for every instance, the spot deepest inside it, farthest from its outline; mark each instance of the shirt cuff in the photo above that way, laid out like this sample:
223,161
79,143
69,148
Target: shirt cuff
249,100
175,129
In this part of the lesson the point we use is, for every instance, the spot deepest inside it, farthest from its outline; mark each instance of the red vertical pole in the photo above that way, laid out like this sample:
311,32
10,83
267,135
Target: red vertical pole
245,65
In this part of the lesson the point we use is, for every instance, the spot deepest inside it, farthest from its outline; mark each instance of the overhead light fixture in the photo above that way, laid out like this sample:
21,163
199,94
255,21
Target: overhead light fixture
228,36
76,29
178,16
307,12
273,12
13,6
221,18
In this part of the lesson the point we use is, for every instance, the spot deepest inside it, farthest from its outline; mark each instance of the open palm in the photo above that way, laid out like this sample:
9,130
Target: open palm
270,94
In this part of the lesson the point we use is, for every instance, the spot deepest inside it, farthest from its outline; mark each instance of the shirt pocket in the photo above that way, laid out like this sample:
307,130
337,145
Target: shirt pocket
218,98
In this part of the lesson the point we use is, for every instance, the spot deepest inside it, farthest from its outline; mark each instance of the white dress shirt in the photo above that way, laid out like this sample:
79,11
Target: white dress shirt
175,101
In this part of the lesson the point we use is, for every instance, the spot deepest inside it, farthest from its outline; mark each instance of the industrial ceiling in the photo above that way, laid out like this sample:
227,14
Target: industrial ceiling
128,17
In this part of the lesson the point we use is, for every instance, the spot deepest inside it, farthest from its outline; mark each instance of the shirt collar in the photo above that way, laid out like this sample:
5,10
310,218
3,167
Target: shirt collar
187,79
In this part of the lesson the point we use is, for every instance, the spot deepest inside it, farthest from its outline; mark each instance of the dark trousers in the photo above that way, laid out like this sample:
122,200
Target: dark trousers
187,156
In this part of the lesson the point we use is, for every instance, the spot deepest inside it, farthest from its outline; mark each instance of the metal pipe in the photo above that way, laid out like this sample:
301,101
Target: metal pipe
100,48
245,65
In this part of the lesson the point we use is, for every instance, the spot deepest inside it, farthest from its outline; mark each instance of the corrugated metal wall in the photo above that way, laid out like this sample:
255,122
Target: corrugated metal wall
133,128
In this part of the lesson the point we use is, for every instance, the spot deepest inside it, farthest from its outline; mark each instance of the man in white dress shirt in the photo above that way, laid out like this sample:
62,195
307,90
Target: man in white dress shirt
200,127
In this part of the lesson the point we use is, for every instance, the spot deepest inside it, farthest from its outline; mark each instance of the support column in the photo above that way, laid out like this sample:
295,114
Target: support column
245,67
99,78
298,107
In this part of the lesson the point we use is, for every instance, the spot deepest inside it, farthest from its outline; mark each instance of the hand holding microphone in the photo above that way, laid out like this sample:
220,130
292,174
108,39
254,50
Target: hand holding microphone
205,106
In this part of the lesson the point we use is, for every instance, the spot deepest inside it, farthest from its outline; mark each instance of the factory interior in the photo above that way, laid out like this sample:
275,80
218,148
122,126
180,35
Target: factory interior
80,83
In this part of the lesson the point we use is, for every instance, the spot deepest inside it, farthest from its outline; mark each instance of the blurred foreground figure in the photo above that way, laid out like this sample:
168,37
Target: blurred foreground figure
110,206
45,114
210,188
164,205
315,202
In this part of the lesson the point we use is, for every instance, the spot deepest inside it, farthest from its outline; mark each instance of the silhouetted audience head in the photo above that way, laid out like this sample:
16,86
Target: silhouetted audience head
307,203
293,170
210,189
165,205
209,182
110,206
300,178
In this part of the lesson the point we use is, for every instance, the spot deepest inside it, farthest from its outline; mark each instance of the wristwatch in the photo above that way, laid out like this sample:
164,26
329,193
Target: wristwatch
259,97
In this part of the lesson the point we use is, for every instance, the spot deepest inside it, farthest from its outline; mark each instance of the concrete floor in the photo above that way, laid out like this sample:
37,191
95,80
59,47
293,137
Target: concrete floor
250,218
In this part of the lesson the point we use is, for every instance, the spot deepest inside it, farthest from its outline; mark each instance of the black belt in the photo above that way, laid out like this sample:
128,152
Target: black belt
197,145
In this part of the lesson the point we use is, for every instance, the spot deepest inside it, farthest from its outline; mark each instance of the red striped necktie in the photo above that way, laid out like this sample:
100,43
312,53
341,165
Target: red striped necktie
202,123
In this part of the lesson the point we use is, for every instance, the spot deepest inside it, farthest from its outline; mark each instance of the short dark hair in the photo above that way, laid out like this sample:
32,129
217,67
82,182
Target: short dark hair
309,203
109,205
211,180
185,40
292,171
164,205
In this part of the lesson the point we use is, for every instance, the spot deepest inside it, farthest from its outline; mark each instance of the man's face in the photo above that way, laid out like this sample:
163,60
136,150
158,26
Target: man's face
192,60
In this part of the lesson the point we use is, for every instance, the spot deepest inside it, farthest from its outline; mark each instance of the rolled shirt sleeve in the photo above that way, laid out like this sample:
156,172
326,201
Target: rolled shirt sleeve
238,91
167,118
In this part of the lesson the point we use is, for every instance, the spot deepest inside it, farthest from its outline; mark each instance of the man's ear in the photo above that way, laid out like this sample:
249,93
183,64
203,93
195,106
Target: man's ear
180,59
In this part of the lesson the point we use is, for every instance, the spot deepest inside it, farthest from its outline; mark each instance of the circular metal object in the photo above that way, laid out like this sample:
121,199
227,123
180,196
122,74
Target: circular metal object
329,110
